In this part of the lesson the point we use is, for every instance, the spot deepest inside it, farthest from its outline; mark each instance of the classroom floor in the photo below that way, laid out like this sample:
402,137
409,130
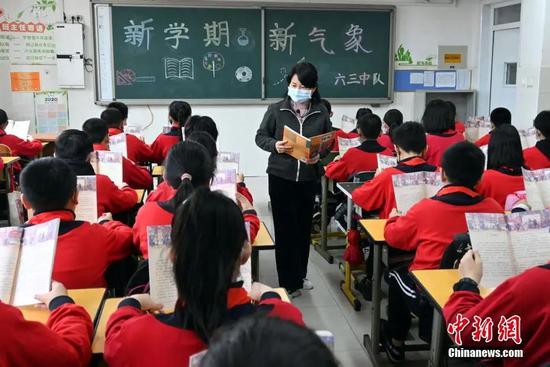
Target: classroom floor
325,307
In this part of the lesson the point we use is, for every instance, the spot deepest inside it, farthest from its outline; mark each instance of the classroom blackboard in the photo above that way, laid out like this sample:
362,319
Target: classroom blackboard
351,50
190,53
219,55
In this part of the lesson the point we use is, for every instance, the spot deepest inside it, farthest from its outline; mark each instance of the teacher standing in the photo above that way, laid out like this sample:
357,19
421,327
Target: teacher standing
293,183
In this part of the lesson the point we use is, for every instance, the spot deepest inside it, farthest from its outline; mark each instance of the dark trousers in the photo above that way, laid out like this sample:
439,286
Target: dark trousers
403,299
292,208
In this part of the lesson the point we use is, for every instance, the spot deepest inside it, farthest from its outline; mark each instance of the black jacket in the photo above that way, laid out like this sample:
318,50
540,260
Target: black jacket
279,114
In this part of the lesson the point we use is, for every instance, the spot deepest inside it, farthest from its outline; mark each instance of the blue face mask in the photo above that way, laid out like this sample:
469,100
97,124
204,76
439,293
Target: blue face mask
299,95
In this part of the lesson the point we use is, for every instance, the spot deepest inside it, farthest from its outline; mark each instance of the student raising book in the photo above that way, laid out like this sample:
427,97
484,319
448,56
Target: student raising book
538,157
84,250
505,161
392,120
523,297
499,116
137,151
439,125
63,342
362,158
377,195
208,245
75,148
18,146
135,176
428,228
178,114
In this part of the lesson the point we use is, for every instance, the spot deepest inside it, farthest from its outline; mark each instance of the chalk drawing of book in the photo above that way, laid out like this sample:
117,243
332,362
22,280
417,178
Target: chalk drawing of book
179,69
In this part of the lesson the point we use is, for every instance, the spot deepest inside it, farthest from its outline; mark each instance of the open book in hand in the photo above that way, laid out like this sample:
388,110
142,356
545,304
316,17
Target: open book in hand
117,143
26,262
509,243
537,188
307,148
385,161
528,137
348,123
109,164
228,160
226,182
476,127
18,128
161,273
86,209
346,144
410,188
137,131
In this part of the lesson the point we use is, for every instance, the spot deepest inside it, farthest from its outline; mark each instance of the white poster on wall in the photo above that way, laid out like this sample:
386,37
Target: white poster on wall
52,111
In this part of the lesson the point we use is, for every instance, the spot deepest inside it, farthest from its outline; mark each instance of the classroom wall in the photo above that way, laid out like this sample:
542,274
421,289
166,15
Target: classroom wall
420,28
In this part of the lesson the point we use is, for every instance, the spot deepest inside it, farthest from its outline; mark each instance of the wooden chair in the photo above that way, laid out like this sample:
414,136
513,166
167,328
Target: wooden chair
5,151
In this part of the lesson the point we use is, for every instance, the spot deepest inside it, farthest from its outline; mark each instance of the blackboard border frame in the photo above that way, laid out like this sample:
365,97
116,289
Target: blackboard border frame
262,6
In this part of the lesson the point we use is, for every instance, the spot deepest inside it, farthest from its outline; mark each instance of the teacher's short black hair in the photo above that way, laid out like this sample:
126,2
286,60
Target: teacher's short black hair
112,117
121,107
370,126
48,184
307,75
410,137
73,144
463,164
96,129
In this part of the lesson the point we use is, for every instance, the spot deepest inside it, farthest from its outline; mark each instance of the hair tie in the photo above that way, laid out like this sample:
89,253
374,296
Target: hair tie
186,176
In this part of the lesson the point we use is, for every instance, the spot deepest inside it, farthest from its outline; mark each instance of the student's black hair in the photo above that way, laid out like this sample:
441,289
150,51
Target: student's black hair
48,184
501,116
96,129
410,137
393,118
112,117
327,105
202,123
436,118
206,140
179,111
267,342
191,158
189,125
463,164
208,235
452,110
362,111
3,117
370,126
505,148
121,107
542,123
74,145
307,75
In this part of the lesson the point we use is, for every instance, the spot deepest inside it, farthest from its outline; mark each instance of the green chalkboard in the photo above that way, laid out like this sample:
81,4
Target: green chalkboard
182,52
351,49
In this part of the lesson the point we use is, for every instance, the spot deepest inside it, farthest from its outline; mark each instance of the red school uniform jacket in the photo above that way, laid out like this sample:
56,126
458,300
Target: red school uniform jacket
342,134
378,194
20,147
358,159
460,127
520,295
499,183
418,230
164,142
159,213
484,140
63,342
165,192
386,141
135,338
437,144
135,176
138,151
85,250
538,157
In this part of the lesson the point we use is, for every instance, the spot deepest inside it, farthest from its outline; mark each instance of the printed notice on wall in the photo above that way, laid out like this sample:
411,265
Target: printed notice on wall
52,111
22,81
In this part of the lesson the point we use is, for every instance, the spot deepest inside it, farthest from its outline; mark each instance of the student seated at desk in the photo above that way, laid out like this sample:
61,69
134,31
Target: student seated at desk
18,146
135,176
440,127
178,114
63,342
524,296
500,116
259,341
362,158
378,195
75,148
428,228
84,250
137,151
505,161
538,157
209,244
392,120
353,133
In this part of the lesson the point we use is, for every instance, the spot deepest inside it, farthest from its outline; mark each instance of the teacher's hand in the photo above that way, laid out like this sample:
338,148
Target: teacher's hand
282,146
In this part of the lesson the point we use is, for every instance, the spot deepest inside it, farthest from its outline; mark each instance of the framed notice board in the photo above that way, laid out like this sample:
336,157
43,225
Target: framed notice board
154,54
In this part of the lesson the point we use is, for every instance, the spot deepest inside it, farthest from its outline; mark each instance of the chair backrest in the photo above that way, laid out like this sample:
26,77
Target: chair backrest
454,252
5,151
362,176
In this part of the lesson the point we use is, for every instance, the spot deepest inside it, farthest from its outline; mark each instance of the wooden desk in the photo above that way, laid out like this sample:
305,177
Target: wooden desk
158,171
140,194
438,285
10,160
90,299
45,137
263,241
374,228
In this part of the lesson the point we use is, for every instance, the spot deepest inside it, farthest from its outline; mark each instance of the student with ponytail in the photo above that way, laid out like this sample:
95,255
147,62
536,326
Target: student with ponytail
209,244
178,114
188,166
